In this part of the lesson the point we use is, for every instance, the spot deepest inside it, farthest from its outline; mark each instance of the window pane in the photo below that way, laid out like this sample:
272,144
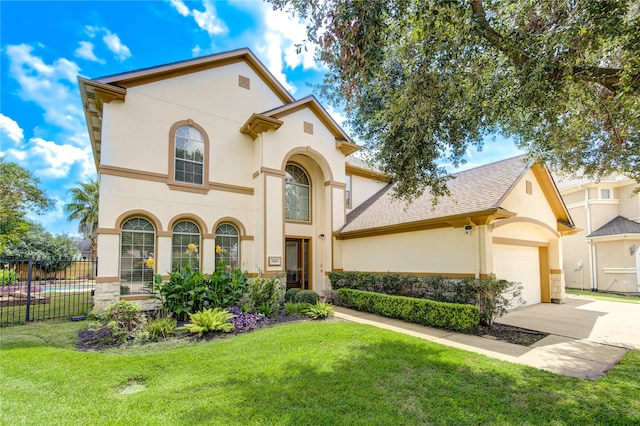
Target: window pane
137,245
185,245
297,194
189,155
227,245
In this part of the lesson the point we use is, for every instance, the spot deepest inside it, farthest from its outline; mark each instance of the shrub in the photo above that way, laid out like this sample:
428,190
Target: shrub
320,310
306,296
296,309
118,323
420,311
8,276
161,328
209,320
189,291
291,294
264,294
492,296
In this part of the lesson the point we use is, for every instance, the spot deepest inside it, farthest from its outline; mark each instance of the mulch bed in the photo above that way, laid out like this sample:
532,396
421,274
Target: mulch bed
510,334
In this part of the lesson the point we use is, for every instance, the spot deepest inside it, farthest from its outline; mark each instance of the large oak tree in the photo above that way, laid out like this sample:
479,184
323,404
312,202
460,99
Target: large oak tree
421,81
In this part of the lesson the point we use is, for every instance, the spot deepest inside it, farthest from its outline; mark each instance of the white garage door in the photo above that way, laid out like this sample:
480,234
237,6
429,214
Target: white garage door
520,264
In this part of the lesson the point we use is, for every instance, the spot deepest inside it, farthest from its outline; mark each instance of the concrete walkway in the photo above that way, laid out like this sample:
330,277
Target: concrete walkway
579,347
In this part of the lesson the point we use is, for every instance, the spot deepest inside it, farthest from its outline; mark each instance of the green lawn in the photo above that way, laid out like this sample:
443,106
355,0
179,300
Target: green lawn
309,373
604,296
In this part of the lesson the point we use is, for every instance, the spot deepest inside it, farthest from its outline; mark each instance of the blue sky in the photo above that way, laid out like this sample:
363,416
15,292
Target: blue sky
46,45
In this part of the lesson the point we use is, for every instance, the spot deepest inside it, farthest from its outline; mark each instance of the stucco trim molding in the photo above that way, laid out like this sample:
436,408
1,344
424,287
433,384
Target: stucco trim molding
516,242
532,221
176,186
259,123
103,280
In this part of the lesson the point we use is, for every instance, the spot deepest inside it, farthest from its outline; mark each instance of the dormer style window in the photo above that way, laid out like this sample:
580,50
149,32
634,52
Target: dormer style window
297,191
189,155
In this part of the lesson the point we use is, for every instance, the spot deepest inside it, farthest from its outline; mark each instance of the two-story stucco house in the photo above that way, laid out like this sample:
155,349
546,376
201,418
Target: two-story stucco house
604,255
211,159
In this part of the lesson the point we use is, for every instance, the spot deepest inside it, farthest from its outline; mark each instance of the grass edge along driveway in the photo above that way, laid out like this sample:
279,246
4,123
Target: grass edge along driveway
321,373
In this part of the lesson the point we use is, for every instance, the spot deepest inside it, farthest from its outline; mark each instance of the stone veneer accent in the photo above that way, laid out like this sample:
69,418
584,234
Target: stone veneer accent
108,293
557,287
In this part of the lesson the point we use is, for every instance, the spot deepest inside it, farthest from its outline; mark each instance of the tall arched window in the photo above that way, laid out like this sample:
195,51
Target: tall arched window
189,155
227,245
297,192
137,250
185,245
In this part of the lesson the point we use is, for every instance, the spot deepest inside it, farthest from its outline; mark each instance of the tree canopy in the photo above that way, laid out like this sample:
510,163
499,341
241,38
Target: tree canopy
421,81
59,251
19,193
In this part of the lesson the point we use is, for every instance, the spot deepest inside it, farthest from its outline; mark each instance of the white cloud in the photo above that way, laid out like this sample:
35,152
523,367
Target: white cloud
206,19
53,87
56,159
10,128
180,7
115,45
85,51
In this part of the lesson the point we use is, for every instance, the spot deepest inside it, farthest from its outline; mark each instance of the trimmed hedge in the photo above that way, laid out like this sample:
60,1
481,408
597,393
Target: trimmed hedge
451,316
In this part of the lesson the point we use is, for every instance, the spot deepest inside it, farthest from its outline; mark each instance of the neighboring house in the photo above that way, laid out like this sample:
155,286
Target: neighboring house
604,255
213,152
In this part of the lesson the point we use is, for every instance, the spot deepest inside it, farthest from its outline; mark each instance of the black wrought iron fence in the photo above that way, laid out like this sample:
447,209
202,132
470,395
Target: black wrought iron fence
36,289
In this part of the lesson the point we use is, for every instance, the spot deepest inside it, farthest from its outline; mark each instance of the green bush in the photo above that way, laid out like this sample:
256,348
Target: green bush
291,294
209,320
8,276
125,319
161,328
189,291
492,296
420,311
306,296
265,293
320,310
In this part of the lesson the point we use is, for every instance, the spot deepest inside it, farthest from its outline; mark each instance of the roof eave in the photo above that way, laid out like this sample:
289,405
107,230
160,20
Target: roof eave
455,221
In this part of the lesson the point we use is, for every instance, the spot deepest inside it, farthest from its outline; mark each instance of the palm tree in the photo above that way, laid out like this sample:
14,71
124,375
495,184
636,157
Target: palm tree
84,207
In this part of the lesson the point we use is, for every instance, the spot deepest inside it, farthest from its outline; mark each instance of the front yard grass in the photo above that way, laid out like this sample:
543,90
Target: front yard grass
599,295
311,373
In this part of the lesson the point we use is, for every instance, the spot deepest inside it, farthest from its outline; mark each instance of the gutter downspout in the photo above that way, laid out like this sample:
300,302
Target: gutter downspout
593,276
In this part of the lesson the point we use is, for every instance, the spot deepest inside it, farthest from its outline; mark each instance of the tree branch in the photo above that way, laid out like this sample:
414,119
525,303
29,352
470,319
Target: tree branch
606,77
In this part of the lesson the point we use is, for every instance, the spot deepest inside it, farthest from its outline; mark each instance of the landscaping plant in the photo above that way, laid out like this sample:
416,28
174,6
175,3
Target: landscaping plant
245,321
265,294
209,320
306,296
318,311
120,322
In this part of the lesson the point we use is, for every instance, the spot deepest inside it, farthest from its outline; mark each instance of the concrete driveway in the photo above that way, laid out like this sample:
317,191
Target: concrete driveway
609,323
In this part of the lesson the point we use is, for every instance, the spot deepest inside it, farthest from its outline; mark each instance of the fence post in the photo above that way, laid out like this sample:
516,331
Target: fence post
29,271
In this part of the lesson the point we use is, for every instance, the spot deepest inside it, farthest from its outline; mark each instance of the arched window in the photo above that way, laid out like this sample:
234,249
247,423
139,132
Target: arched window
185,245
137,249
227,245
297,198
189,155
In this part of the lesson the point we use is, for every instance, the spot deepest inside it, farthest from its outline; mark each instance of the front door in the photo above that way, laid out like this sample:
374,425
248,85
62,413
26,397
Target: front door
297,263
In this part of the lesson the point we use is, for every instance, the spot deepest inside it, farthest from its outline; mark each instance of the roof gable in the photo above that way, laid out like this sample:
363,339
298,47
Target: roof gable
476,197
617,226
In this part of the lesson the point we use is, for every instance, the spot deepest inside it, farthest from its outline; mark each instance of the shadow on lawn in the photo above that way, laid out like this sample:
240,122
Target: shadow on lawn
399,381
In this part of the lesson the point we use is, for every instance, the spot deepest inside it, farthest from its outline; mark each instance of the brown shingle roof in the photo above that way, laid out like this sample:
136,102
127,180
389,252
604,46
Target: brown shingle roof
475,190
618,226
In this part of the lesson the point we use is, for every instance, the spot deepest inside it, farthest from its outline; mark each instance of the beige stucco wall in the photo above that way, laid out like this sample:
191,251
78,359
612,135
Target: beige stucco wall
590,214
443,251
136,140
362,189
